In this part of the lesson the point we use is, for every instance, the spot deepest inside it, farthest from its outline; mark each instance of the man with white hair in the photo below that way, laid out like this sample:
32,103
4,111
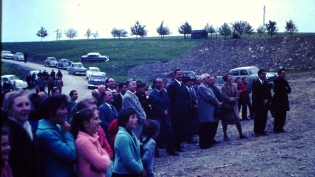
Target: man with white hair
207,103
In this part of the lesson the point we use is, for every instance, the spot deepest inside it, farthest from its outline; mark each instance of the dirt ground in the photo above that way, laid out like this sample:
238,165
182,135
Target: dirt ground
285,154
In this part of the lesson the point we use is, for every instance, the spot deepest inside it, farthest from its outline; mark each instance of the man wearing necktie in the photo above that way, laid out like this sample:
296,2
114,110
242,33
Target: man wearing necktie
180,103
261,98
107,112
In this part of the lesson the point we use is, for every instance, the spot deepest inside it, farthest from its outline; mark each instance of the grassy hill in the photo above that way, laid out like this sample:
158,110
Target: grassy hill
124,53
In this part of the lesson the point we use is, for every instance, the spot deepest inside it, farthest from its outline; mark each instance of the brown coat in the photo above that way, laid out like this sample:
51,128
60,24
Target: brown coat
230,95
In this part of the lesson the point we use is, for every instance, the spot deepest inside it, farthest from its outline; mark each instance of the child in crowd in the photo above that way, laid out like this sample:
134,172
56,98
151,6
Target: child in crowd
150,131
5,150
92,159
127,148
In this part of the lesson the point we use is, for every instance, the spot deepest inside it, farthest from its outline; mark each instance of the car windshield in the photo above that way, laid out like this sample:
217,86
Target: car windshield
95,70
13,78
6,52
19,53
77,65
52,59
98,75
65,61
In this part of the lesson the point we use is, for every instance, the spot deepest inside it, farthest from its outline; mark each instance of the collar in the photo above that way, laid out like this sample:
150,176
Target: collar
180,83
130,92
108,104
16,121
93,138
261,81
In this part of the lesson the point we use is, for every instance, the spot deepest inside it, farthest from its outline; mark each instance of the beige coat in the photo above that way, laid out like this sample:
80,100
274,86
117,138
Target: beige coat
231,95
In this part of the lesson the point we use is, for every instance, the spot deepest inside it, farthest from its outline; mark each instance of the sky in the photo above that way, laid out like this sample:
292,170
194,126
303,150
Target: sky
21,19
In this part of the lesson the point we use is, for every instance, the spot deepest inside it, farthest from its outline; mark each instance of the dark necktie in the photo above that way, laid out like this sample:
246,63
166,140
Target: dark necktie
161,93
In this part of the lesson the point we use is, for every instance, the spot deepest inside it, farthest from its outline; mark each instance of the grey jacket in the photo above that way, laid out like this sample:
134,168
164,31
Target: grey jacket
131,100
206,104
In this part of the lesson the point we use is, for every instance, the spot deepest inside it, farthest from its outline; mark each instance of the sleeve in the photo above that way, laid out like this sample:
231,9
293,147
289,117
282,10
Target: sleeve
123,147
148,153
128,102
52,142
88,151
104,143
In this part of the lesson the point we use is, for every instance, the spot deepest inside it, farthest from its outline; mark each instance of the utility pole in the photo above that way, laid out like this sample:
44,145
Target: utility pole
264,15
57,34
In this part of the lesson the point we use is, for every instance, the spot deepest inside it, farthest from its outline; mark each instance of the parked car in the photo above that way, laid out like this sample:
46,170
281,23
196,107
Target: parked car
6,55
248,71
91,70
96,79
94,57
63,63
76,68
50,61
18,56
20,84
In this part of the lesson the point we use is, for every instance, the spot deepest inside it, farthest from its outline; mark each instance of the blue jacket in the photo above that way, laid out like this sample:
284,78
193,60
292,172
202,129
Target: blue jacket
57,149
127,153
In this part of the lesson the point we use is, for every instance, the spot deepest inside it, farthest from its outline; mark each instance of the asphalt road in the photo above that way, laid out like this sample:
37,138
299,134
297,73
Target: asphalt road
71,82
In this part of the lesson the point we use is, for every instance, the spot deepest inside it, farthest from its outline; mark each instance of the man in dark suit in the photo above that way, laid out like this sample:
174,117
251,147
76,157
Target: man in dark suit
160,107
180,103
261,98
192,110
107,112
71,103
122,88
280,101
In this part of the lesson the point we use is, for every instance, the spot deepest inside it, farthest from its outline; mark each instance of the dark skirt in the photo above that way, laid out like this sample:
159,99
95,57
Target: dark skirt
231,122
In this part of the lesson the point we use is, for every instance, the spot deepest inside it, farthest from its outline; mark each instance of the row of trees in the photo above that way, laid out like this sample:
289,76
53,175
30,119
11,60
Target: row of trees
236,29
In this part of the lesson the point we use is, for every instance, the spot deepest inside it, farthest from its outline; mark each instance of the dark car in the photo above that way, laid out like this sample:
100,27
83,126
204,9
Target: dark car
63,63
94,57
50,61
96,79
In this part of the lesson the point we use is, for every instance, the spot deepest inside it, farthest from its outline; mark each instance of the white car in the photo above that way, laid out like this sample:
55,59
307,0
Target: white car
20,84
91,70
18,56
50,61
6,55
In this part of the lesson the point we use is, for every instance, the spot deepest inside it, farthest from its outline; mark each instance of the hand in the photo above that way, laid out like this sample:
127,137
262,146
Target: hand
143,173
65,127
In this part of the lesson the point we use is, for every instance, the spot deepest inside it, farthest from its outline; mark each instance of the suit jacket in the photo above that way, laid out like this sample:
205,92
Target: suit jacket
160,103
118,102
207,102
260,92
280,100
131,100
69,107
24,156
180,101
107,115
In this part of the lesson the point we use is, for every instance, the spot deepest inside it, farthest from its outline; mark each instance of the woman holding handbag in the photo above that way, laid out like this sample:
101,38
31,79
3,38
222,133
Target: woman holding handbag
230,113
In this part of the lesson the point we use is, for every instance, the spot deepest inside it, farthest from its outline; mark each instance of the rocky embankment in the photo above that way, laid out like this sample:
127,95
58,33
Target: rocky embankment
219,56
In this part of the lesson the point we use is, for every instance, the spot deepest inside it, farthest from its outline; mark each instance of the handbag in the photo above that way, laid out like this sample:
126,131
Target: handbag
228,106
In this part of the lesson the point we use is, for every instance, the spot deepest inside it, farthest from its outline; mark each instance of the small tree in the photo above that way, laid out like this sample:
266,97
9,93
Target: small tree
248,30
238,28
185,29
290,27
261,30
210,29
163,30
88,33
71,33
138,29
225,30
95,35
271,28
42,33
119,33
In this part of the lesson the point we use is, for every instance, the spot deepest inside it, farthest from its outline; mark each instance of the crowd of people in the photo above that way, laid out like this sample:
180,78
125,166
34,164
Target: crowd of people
121,128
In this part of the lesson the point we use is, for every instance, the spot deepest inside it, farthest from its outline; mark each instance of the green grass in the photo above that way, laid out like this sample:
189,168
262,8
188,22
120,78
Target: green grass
10,68
124,53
